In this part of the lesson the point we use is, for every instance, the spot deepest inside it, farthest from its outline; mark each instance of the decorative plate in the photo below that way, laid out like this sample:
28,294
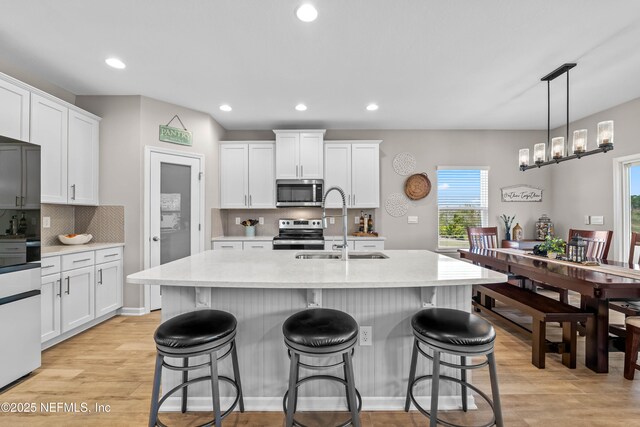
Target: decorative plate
417,186
396,204
404,164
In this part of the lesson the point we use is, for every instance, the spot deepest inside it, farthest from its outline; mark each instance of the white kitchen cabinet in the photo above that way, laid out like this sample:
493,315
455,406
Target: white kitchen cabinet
49,126
78,297
31,166
20,177
83,159
299,154
354,166
14,111
108,287
369,245
51,294
328,245
264,245
227,245
247,176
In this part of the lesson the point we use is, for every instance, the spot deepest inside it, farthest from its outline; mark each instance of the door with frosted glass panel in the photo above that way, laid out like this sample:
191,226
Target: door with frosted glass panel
634,202
174,206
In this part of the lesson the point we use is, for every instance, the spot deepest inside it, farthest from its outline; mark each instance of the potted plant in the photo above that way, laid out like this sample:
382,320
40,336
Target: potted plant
554,246
249,227
508,220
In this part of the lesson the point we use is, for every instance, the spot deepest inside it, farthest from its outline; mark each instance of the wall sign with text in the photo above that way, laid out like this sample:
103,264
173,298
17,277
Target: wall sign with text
521,193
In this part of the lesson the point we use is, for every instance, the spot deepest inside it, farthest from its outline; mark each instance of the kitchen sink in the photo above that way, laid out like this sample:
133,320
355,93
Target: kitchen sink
352,255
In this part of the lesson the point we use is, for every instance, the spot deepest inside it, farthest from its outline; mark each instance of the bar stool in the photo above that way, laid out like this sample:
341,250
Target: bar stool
321,332
448,331
198,333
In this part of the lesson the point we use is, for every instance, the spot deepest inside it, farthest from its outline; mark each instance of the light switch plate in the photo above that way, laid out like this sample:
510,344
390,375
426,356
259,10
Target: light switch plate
332,220
587,219
597,220
261,220
46,222
412,220
237,220
356,220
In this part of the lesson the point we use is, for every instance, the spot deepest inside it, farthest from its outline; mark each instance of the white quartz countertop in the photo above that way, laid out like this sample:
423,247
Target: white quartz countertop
355,238
72,249
269,238
280,269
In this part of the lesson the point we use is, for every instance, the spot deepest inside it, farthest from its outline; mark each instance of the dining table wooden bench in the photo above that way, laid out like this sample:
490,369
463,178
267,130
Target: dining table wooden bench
542,310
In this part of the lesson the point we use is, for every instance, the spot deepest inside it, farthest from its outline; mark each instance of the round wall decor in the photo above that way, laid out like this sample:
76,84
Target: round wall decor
417,186
404,164
396,204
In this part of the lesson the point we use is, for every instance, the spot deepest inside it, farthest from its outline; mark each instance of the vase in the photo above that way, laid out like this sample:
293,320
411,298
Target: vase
250,231
507,235
552,255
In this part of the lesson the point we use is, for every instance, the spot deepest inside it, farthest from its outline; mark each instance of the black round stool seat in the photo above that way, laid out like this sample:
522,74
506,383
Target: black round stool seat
453,327
320,327
194,329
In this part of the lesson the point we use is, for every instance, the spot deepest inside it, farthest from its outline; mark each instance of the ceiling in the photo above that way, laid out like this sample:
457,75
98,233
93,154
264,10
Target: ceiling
429,64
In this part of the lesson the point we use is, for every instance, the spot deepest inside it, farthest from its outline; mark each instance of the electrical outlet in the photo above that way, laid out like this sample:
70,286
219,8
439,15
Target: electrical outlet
237,220
587,219
46,222
332,220
366,335
261,220
597,220
412,220
356,220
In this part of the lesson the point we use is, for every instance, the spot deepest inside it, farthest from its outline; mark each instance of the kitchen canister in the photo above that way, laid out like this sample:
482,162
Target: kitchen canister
250,231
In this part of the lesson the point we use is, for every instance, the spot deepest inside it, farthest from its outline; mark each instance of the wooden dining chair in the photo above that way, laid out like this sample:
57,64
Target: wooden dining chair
628,307
482,237
598,241
631,348
635,242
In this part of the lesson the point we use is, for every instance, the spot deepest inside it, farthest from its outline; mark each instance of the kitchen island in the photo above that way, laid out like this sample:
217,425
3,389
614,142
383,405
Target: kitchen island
263,289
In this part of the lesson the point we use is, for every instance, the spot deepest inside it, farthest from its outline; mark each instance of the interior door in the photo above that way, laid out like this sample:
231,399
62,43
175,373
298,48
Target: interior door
174,206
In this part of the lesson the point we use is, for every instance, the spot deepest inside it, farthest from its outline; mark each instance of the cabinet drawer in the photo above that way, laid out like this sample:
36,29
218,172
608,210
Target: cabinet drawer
328,244
50,265
227,245
108,255
257,246
365,245
82,259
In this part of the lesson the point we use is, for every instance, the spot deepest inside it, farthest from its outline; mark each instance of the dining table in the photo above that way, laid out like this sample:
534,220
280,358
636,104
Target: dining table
597,285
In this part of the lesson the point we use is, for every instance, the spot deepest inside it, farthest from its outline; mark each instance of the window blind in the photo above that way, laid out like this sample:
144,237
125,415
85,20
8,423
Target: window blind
463,201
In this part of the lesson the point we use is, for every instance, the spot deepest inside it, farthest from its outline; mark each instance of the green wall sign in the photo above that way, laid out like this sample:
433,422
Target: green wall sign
175,135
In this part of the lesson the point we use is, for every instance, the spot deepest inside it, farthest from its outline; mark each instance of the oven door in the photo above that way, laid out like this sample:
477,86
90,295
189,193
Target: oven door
298,192
297,245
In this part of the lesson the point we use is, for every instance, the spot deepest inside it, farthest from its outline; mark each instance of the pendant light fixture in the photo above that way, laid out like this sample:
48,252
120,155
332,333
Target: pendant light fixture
556,150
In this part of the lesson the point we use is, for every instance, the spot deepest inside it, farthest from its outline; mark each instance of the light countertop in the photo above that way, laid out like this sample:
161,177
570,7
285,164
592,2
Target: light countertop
280,269
72,249
269,238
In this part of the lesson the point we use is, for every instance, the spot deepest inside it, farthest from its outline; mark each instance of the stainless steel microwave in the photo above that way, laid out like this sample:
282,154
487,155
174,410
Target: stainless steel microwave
299,192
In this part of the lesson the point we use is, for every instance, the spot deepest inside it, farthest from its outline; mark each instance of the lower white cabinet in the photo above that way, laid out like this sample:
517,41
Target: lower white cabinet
369,245
51,294
78,298
240,245
257,246
227,245
108,287
328,245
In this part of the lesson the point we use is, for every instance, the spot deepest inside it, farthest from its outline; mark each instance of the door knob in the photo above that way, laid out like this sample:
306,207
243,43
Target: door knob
155,238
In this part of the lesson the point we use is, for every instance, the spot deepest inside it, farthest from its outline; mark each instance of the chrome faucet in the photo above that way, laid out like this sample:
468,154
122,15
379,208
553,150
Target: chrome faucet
344,247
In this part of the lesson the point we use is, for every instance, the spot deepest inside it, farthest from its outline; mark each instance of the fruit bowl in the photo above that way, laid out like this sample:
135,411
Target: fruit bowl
74,239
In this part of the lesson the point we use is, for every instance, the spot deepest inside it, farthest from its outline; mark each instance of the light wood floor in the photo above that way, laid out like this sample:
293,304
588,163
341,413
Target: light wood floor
113,364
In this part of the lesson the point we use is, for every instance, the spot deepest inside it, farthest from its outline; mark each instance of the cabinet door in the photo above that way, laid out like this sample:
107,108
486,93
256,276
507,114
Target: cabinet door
51,293
83,159
262,179
365,176
311,155
337,172
369,245
14,111
227,245
49,130
287,156
234,186
78,297
10,178
30,178
108,287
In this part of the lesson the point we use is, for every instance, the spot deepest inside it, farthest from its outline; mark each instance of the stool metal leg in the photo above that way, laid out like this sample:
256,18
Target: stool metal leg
435,387
155,392
463,377
493,374
291,398
185,378
215,388
412,374
351,389
346,387
236,375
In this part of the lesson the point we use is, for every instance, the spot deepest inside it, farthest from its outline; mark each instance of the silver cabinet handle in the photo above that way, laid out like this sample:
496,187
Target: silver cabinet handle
59,282
100,277
68,285
82,260
110,255
17,200
227,246
301,171
73,189
250,202
296,171
21,200
349,199
155,238
368,246
245,200
354,199
48,266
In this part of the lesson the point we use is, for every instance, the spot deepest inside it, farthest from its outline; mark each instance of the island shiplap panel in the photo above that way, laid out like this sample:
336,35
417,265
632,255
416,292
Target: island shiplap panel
381,370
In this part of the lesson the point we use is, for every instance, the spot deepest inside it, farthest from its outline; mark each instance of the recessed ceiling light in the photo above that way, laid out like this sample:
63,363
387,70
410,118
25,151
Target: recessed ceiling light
307,13
372,107
225,107
115,63
301,107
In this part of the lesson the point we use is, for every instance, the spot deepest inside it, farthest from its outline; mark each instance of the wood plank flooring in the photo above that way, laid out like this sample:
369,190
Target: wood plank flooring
112,364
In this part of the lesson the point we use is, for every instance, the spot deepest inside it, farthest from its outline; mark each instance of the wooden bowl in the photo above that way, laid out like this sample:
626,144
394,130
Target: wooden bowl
417,186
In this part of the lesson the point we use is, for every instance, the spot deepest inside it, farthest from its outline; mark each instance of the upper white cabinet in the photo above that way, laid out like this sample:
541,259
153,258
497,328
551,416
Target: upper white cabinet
354,166
247,175
14,111
299,154
69,142
20,177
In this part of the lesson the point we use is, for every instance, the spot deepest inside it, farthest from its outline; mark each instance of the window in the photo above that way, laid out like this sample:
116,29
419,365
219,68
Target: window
626,203
634,196
463,202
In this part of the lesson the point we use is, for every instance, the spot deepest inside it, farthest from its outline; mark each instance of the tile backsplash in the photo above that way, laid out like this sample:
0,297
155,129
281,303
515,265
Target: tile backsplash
105,223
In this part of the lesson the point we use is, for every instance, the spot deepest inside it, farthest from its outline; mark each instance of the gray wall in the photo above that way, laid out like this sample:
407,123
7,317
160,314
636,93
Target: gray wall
32,79
129,123
431,148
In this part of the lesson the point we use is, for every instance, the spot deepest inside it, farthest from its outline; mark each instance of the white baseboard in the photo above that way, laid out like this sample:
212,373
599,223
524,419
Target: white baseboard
274,404
132,311
45,345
